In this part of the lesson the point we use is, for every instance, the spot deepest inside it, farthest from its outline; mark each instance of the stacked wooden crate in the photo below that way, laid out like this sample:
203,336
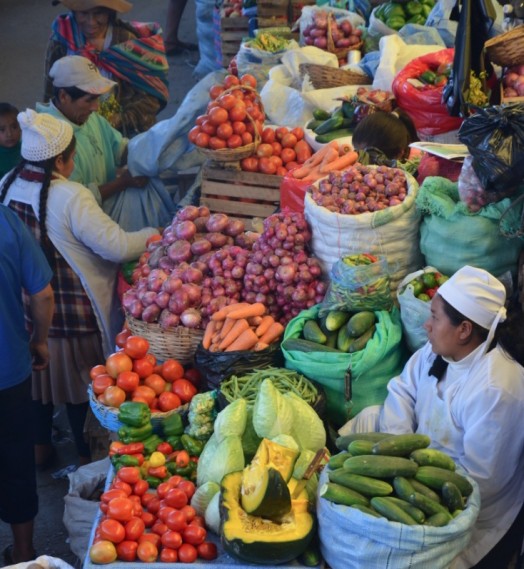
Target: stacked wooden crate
230,27
272,13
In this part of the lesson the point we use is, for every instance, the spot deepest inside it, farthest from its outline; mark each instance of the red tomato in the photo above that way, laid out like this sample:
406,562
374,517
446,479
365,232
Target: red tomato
102,552
109,495
147,498
216,143
136,347
168,401
264,150
176,520
143,367
247,138
277,148
163,488
128,381
112,530
303,151
291,165
208,127
188,488
159,528
151,358
202,140
114,396
174,481
134,528
176,498
120,509
207,550
249,164
198,521
102,382
237,113
140,488
171,539
234,141
156,382
298,132
100,369
121,485
224,130
288,155
289,140
268,135
218,116
281,171
147,552
164,511
239,127
191,135
168,555
200,119
153,505
249,80
215,91
171,370
266,166
194,534
153,538
187,553
230,81
184,389
189,513
117,363
126,550
182,459
277,161
227,101
145,393
122,336
148,518
280,132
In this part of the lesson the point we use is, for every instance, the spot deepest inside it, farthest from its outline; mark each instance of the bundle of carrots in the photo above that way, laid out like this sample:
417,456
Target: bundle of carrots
241,326
332,157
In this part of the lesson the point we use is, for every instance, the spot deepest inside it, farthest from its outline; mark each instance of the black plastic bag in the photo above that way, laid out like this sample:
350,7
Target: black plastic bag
475,22
495,138
216,366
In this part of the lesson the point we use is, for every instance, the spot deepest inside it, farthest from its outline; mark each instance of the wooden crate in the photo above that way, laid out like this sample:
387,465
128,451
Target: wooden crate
272,8
232,31
224,188
272,21
295,9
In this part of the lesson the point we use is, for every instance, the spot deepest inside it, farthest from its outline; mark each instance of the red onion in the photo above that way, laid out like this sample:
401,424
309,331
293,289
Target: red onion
216,239
179,251
203,211
136,308
191,318
168,320
200,223
166,264
148,297
162,299
189,212
217,222
192,275
179,301
235,227
200,265
194,293
151,313
128,298
185,230
156,279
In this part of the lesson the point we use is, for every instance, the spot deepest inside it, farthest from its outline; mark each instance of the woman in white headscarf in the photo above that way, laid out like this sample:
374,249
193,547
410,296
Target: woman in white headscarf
465,390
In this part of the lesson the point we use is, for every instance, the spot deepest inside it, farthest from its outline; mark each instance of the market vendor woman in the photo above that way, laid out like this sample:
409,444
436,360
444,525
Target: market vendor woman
465,390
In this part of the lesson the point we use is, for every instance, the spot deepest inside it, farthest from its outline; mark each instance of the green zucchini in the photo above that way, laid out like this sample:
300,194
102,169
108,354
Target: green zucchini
335,319
433,457
361,342
381,466
363,484
333,135
344,340
321,114
342,495
343,441
435,477
401,445
331,341
333,123
391,511
360,323
301,345
313,333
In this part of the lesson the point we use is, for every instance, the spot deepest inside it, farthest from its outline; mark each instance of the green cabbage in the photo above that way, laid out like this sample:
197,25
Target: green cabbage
272,414
231,421
286,441
250,439
212,515
307,427
303,461
219,458
203,496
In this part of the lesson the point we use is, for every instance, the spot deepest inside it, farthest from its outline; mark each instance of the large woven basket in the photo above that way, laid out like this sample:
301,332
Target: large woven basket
508,48
340,52
179,343
326,77
108,416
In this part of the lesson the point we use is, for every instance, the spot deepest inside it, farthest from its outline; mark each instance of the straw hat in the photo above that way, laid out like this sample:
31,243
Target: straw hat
83,5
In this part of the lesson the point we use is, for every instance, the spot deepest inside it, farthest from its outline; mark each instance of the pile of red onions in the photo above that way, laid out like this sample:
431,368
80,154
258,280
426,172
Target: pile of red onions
280,274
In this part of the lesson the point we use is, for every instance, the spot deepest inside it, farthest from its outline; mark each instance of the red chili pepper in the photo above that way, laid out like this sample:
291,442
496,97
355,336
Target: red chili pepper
371,257
131,448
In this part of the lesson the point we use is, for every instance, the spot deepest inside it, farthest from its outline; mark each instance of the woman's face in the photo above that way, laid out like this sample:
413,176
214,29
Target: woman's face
93,23
443,335
65,166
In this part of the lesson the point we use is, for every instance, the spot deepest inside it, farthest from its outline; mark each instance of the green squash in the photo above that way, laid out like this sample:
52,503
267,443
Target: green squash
264,492
257,540
272,455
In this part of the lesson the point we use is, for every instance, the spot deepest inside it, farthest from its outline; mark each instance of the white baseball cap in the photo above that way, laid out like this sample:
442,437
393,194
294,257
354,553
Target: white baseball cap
80,72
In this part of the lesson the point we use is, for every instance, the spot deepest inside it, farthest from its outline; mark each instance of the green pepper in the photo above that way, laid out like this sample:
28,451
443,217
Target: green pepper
193,446
428,77
418,19
396,23
426,10
413,8
175,442
173,425
129,460
150,443
134,413
128,434
429,3
153,481
394,10
127,271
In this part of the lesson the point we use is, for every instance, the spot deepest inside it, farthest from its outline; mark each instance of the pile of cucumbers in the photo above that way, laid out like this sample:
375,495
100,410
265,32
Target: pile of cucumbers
330,126
396,477
336,331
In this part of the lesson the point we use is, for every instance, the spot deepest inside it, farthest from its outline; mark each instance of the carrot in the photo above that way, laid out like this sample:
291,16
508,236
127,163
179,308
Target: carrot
208,334
239,326
273,333
259,346
255,309
223,312
245,341
315,160
228,324
340,162
264,325
329,156
254,320
313,176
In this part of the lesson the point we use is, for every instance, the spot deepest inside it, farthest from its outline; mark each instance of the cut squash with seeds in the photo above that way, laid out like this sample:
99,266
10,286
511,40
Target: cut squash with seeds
264,492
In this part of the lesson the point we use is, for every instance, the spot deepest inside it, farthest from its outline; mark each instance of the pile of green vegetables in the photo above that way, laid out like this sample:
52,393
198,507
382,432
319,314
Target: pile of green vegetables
396,15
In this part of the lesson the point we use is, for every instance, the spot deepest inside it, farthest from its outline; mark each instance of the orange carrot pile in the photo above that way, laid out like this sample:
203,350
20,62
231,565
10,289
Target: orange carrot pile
241,326
332,157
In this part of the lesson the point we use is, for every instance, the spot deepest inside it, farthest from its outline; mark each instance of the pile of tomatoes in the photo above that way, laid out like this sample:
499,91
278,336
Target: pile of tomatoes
281,149
231,118
149,526
133,374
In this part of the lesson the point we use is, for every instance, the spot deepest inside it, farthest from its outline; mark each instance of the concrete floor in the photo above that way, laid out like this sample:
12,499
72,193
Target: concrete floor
25,30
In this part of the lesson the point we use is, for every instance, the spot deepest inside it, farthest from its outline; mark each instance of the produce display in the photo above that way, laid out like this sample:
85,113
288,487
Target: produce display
397,14
426,285
434,77
266,41
513,81
333,157
361,189
396,477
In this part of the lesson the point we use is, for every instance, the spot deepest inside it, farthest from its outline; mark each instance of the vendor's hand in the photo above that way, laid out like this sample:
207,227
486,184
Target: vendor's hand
129,181
40,353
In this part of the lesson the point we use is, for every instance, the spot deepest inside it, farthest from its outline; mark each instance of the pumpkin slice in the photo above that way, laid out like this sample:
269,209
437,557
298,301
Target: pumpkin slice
273,455
264,492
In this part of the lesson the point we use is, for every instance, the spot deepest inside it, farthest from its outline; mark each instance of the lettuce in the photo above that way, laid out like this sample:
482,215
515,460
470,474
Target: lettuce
307,427
231,421
272,414
203,496
219,459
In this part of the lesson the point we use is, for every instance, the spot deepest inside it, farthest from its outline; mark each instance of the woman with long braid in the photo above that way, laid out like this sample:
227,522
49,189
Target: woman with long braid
84,247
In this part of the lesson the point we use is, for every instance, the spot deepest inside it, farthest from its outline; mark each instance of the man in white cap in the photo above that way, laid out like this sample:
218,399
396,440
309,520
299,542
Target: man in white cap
100,149
465,390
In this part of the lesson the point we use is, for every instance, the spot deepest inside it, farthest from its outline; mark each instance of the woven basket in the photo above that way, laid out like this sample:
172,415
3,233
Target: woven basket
234,154
507,49
325,77
179,343
108,416
340,52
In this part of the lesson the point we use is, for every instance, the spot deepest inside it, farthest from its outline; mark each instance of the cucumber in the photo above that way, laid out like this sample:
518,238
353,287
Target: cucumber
452,497
439,520
313,333
360,323
342,495
337,460
425,490
332,338
344,340
301,345
361,342
401,445
433,457
343,441
403,487
321,114
381,466
435,477
391,511
348,110
311,556
335,319
416,513
333,135
333,123
366,510
356,448
314,123
363,484
428,506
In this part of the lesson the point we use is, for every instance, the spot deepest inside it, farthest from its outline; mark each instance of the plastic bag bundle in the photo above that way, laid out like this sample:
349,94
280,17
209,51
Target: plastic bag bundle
359,286
495,138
